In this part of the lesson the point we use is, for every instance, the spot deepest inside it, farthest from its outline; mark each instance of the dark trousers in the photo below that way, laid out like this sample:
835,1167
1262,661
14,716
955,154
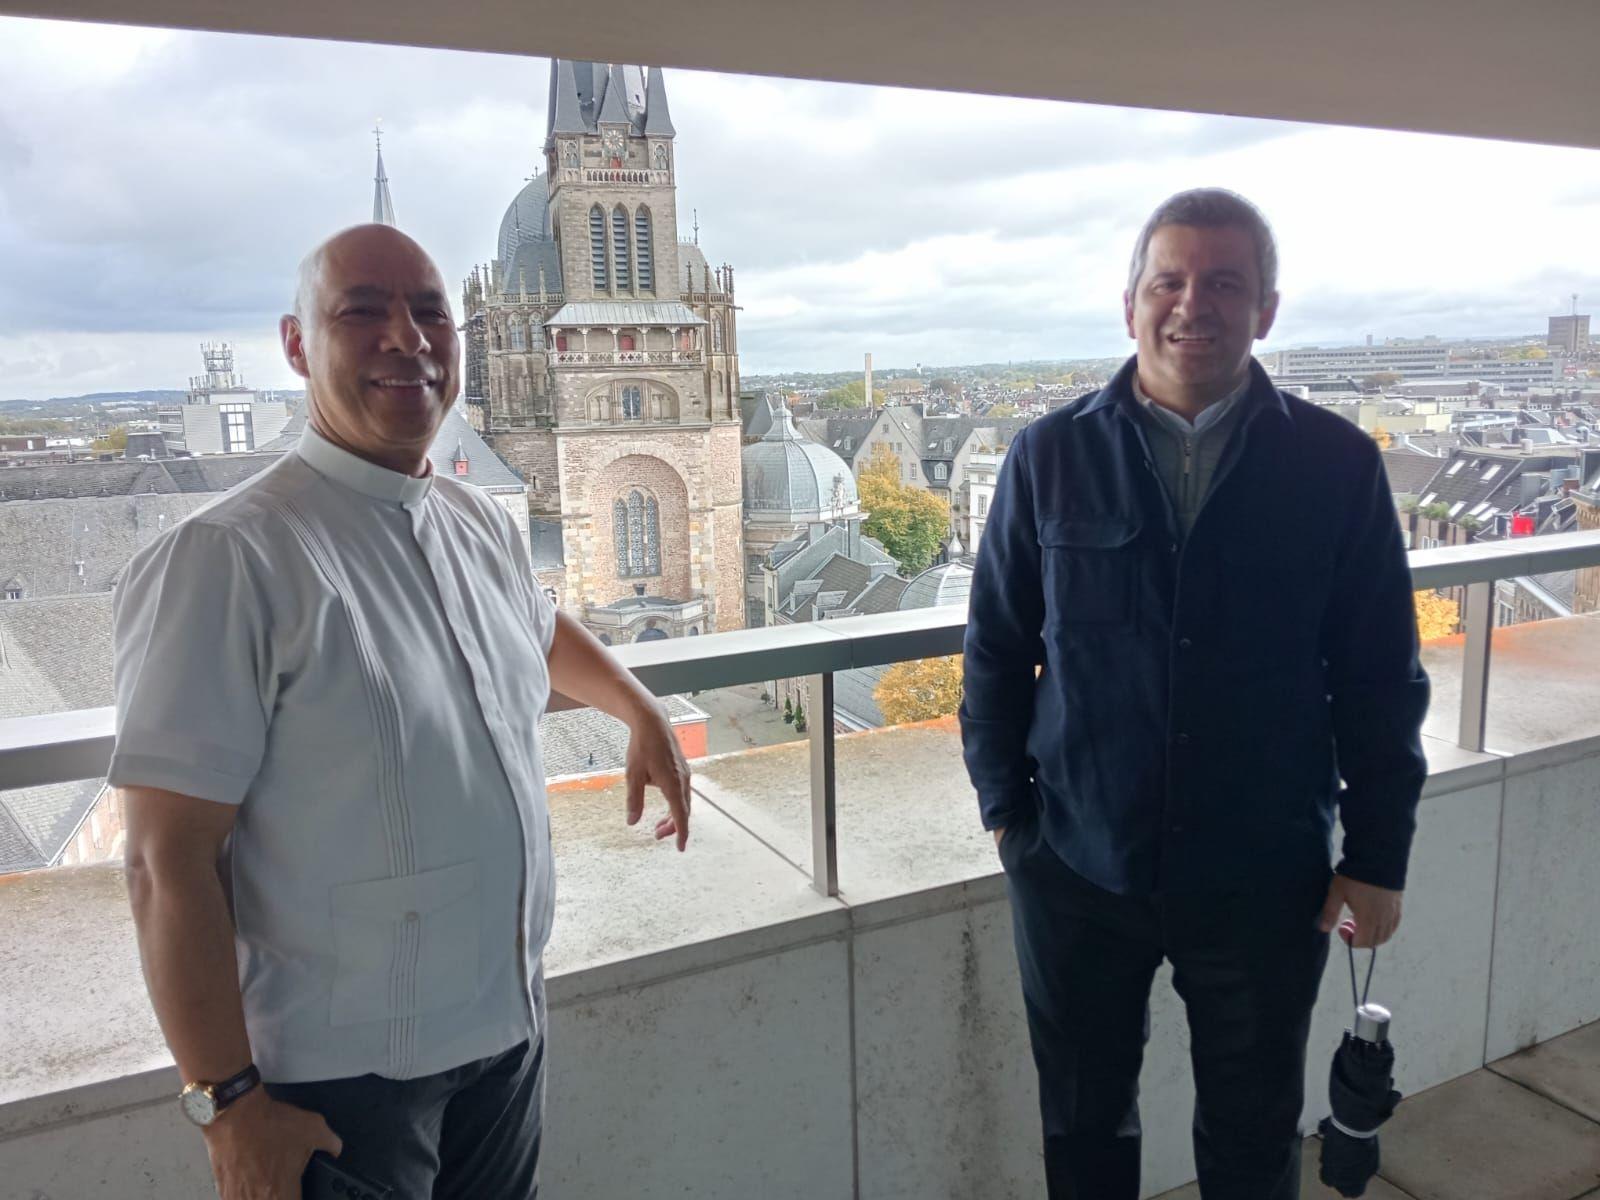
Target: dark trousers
1247,965
469,1133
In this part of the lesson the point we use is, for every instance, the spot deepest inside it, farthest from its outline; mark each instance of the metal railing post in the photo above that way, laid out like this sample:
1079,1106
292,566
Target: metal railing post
824,790
1477,621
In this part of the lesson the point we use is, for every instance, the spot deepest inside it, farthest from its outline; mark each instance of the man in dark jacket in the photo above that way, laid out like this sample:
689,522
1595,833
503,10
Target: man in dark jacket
1192,617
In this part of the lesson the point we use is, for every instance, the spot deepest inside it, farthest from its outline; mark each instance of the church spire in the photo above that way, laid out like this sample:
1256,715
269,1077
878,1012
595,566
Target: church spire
382,204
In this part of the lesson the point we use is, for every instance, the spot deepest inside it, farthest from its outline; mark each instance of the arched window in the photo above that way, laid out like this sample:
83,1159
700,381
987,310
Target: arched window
632,405
661,157
636,535
597,246
619,247
572,154
519,340
641,249
716,333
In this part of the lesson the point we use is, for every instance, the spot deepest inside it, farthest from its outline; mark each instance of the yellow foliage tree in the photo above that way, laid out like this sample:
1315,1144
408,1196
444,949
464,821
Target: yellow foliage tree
909,521
1437,616
919,690
1383,437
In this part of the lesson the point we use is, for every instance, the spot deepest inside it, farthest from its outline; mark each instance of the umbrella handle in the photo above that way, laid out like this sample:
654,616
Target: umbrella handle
1347,934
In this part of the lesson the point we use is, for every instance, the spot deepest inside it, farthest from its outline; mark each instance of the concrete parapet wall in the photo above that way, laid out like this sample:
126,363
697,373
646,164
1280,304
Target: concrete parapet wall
878,1049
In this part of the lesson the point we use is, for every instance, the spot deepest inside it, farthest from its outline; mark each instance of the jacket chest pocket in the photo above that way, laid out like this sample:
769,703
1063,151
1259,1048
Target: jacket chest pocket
1090,567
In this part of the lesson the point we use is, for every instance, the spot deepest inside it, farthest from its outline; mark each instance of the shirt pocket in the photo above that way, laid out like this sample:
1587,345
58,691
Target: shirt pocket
1090,567
406,945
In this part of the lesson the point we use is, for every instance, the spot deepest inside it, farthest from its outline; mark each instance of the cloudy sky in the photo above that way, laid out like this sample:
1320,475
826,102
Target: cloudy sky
157,190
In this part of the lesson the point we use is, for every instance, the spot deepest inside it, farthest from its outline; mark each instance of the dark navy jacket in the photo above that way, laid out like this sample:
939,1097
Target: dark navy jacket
1197,701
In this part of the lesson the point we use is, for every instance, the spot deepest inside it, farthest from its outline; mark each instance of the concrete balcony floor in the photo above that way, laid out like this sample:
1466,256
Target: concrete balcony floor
1525,1127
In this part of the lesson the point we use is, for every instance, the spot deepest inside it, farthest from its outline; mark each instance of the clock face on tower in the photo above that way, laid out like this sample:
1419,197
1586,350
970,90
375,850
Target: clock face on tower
611,143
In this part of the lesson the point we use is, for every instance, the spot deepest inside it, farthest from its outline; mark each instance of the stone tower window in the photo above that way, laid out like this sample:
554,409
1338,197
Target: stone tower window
716,333
619,248
632,405
597,246
641,251
519,340
636,535
661,157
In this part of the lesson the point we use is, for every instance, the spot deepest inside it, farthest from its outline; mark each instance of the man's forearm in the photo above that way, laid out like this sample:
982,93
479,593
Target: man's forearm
583,669
186,947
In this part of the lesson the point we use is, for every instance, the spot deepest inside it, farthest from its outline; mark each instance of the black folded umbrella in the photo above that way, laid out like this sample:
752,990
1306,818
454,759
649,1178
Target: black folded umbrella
1360,1089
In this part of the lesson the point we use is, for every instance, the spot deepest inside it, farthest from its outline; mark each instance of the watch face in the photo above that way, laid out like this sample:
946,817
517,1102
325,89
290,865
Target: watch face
198,1105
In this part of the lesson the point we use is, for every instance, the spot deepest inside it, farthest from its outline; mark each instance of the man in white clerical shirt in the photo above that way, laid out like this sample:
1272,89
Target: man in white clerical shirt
331,680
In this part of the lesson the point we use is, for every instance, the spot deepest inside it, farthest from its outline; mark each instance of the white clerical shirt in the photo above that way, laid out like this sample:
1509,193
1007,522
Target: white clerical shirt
356,658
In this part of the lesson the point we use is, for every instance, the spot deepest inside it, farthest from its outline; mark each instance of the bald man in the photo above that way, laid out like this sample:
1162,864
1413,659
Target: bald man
329,681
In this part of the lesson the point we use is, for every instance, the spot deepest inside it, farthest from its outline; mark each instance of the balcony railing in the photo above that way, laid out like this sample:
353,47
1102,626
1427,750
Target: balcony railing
66,746
608,358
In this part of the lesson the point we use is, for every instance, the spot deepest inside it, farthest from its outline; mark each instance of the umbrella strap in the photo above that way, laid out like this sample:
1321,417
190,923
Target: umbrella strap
1348,1132
1358,1001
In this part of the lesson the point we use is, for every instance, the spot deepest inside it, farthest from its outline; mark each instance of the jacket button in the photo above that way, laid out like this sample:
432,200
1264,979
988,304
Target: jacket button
1182,739
1185,644
1172,549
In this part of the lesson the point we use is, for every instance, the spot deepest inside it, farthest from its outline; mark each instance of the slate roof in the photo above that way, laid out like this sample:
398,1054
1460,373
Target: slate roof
55,655
1408,471
601,314
842,434
78,547
882,595
569,738
485,468
583,94
1469,478
63,481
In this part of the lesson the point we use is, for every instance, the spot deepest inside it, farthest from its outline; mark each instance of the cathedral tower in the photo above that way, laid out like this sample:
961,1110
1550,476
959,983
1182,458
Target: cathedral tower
602,357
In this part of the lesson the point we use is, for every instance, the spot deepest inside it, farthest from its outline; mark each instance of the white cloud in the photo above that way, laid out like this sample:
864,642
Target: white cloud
157,189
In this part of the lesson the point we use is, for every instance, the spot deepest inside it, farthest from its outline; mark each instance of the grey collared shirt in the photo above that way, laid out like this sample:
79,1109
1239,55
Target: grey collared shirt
358,660
1187,455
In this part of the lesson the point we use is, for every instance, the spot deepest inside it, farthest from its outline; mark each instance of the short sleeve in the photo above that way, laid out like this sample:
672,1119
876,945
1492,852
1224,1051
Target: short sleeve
192,679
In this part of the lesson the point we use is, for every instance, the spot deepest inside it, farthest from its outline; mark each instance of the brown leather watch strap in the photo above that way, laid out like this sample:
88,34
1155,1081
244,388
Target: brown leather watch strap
229,1090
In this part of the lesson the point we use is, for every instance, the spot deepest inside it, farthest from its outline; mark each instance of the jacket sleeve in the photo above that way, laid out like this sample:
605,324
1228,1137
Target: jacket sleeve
1376,684
1003,647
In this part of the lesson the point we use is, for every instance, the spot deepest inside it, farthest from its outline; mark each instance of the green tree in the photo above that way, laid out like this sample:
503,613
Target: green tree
112,441
1003,410
852,395
44,425
946,385
907,520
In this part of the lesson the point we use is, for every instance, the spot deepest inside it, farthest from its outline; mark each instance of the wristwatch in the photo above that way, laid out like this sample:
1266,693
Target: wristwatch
203,1103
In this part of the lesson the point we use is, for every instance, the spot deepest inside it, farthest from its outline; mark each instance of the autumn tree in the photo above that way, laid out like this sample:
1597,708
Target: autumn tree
852,395
919,690
1002,410
113,440
909,521
1437,616
1383,437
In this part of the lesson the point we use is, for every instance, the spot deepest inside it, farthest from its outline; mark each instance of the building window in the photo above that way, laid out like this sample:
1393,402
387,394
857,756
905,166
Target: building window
235,428
641,251
13,593
716,333
632,406
625,341
619,248
519,339
940,471
636,535
597,246
983,504
661,157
